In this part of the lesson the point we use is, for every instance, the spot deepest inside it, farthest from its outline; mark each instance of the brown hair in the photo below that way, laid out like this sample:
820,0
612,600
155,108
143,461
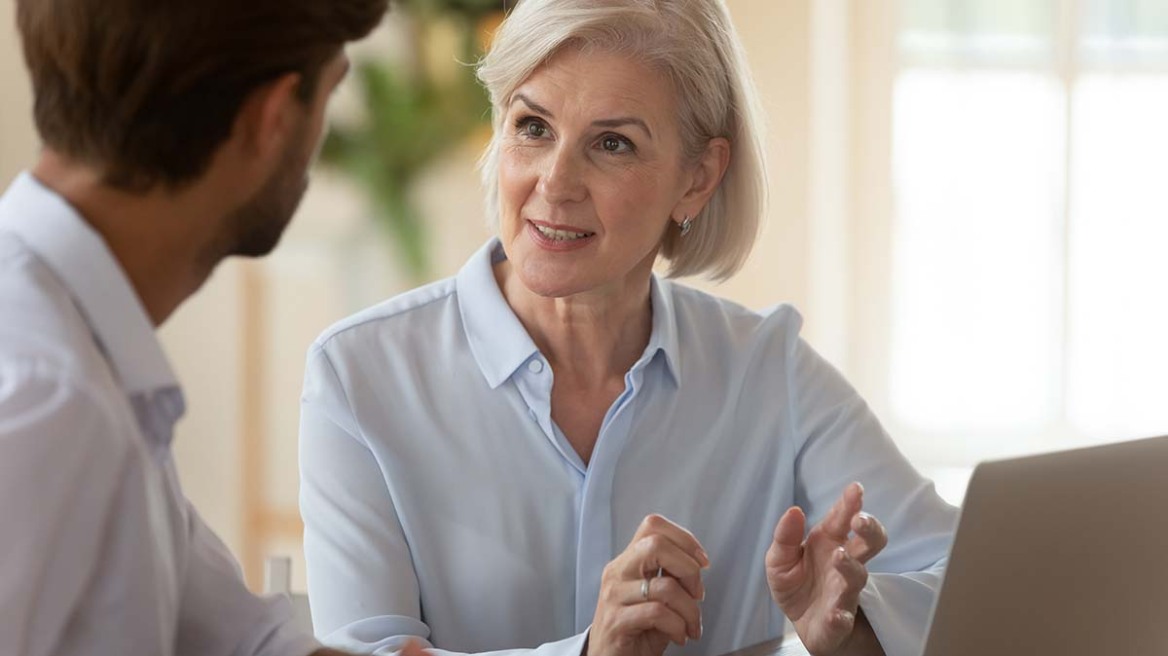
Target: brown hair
147,90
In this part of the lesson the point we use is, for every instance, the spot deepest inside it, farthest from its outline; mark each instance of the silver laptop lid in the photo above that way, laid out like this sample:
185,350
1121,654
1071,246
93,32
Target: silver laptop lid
1065,553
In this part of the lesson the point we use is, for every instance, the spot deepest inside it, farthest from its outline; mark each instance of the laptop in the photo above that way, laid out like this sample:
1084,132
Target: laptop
1063,553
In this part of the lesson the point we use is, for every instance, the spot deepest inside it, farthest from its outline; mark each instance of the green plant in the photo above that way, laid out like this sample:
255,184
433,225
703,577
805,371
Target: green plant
412,117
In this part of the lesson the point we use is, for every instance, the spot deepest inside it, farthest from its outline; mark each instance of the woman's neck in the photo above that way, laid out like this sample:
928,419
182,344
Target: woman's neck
589,338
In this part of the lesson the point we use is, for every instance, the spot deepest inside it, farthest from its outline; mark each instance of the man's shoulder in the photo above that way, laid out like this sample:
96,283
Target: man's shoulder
42,333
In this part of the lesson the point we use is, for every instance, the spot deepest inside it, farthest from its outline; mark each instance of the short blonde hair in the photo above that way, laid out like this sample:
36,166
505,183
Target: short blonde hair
694,42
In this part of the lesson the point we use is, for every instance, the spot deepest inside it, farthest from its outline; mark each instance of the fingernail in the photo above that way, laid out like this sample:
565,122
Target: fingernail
705,557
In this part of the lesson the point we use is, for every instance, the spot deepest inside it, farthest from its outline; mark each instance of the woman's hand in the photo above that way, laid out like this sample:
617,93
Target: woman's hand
649,594
817,581
412,648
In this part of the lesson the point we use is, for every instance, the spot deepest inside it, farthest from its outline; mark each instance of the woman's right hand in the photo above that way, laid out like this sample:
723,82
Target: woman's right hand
649,594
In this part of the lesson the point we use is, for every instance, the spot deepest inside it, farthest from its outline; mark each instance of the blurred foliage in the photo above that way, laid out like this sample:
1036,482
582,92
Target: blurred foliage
471,8
413,115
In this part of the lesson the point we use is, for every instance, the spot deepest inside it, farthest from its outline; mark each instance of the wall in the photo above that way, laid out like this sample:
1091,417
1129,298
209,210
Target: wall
18,142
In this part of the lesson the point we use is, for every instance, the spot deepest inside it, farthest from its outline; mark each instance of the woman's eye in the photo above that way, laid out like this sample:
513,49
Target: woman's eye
532,128
615,144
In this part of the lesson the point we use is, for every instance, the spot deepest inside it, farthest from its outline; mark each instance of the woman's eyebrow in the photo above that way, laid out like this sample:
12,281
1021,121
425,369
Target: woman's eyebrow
532,105
623,121
617,122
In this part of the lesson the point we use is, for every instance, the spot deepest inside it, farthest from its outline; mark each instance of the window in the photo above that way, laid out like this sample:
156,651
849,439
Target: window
1029,281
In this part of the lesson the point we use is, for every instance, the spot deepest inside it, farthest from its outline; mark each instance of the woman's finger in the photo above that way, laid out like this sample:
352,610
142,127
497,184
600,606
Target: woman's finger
686,541
842,622
850,578
851,569
668,591
786,549
838,522
654,552
869,537
651,616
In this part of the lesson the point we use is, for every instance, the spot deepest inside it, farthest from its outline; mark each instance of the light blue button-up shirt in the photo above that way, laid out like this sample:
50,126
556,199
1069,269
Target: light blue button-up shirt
440,499
100,552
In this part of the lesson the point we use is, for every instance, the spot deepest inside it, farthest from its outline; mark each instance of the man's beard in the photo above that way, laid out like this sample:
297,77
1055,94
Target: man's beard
257,226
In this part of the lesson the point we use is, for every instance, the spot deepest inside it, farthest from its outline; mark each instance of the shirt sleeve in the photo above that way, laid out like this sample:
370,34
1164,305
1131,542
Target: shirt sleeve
61,466
842,441
219,615
353,535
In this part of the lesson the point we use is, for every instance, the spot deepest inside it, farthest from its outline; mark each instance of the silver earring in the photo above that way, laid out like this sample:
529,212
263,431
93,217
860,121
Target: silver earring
686,225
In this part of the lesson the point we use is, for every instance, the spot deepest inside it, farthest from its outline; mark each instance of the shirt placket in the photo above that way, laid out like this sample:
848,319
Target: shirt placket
594,547
595,543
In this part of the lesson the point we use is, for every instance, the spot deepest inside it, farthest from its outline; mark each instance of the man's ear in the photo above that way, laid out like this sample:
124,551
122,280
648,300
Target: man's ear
705,177
269,116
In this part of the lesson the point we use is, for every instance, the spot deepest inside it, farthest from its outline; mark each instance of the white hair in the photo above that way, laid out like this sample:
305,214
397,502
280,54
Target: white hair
694,43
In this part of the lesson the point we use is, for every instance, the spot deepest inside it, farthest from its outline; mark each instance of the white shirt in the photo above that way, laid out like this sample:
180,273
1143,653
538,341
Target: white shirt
441,501
100,552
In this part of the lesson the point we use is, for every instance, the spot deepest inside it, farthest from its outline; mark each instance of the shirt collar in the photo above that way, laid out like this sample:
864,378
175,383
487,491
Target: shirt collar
76,253
663,337
499,341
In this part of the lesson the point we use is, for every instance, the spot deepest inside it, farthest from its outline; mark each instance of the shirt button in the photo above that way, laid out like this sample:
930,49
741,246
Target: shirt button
535,366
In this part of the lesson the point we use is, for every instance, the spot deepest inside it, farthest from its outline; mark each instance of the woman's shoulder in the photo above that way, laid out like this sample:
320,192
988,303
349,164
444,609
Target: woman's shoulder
707,313
734,347
409,313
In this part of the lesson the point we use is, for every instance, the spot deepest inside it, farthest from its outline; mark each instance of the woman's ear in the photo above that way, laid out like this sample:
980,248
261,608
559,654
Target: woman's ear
705,176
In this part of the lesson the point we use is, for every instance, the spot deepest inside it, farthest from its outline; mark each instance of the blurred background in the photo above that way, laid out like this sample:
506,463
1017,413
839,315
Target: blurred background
969,204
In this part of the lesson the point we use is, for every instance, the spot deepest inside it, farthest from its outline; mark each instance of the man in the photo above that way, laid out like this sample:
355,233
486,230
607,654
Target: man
176,133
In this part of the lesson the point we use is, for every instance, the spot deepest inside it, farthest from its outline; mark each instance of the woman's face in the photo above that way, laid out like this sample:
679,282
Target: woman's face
590,174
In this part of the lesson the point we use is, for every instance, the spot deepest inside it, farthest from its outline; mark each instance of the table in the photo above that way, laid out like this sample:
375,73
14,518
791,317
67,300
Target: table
785,646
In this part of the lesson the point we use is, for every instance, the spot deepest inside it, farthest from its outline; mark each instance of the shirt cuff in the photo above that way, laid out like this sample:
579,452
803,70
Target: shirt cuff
898,609
573,646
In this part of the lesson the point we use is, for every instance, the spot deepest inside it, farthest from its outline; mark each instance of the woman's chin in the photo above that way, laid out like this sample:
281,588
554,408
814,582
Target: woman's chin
549,282
551,288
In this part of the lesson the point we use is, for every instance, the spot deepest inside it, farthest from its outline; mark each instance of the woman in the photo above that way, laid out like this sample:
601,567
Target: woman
558,451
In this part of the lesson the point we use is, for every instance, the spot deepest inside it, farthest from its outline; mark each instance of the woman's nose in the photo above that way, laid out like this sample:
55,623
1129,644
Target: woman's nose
562,181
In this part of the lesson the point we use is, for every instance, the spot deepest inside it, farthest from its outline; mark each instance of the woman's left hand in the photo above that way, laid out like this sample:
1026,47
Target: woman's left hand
817,582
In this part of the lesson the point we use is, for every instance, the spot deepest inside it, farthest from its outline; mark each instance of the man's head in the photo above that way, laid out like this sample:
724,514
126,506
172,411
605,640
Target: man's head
282,136
146,90
182,130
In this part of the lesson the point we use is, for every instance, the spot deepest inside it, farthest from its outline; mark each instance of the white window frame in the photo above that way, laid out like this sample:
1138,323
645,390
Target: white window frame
876,62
